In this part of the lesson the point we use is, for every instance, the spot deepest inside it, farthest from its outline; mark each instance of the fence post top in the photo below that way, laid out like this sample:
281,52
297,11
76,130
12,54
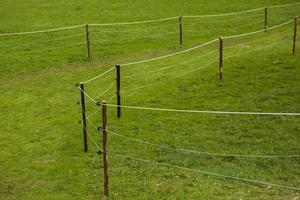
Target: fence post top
221,38
118,65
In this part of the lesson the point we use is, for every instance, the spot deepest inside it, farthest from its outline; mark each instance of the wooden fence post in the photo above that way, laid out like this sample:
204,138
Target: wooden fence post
221,58
266,19
105,147
295,35
180,30
118,92
83,117
88,42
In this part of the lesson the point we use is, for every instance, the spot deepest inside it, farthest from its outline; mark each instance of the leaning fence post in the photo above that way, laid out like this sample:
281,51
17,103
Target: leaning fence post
118,92
221,58
105,147
295,35
266,19
88,42
180,30
83,117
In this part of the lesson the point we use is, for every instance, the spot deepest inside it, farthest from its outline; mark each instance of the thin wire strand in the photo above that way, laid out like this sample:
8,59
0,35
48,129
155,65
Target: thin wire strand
42,31
205,111
170,55
137,22
106,90
98,76
190,49
197,69
225,14
87,95
88,117
201,152
192,170
144,22
260,31
172,66
284,5
43,50
205,172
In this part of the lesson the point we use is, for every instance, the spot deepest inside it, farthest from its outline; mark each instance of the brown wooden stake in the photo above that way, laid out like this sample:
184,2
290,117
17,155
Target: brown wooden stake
295,36
83,117
88,42
221,58
118,78
266,19
180,30
105,148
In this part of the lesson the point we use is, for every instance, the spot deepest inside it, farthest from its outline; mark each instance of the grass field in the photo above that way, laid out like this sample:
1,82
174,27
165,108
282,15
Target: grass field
41,154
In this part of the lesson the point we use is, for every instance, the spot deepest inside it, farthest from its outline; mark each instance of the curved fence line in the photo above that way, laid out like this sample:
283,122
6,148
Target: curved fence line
202,152
147,21
193,170
42,31
193,48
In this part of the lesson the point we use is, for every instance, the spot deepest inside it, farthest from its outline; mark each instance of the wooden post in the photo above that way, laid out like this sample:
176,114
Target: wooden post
180,30
105,149
118,78
221,58
83,117
88,42
295,36
266,19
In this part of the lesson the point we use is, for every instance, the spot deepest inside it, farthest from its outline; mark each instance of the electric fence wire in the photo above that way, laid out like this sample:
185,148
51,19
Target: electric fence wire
198,68
201,152
190,169
204,172
206,111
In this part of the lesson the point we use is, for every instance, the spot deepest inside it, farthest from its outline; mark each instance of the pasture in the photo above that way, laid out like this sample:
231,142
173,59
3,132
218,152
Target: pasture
41,154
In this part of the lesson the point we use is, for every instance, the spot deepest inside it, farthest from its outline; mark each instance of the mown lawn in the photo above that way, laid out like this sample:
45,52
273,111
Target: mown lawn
41,154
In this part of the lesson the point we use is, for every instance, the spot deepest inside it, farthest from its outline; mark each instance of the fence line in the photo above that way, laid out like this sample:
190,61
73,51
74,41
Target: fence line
201,152
147,21
42,31
206,111
194,170
191,49
205,65
205,172
191,71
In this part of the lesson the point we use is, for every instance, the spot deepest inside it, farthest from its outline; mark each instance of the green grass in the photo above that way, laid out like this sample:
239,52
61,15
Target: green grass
41,153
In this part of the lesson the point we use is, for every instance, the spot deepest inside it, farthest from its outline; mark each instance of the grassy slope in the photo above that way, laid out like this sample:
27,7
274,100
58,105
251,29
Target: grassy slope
41,155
